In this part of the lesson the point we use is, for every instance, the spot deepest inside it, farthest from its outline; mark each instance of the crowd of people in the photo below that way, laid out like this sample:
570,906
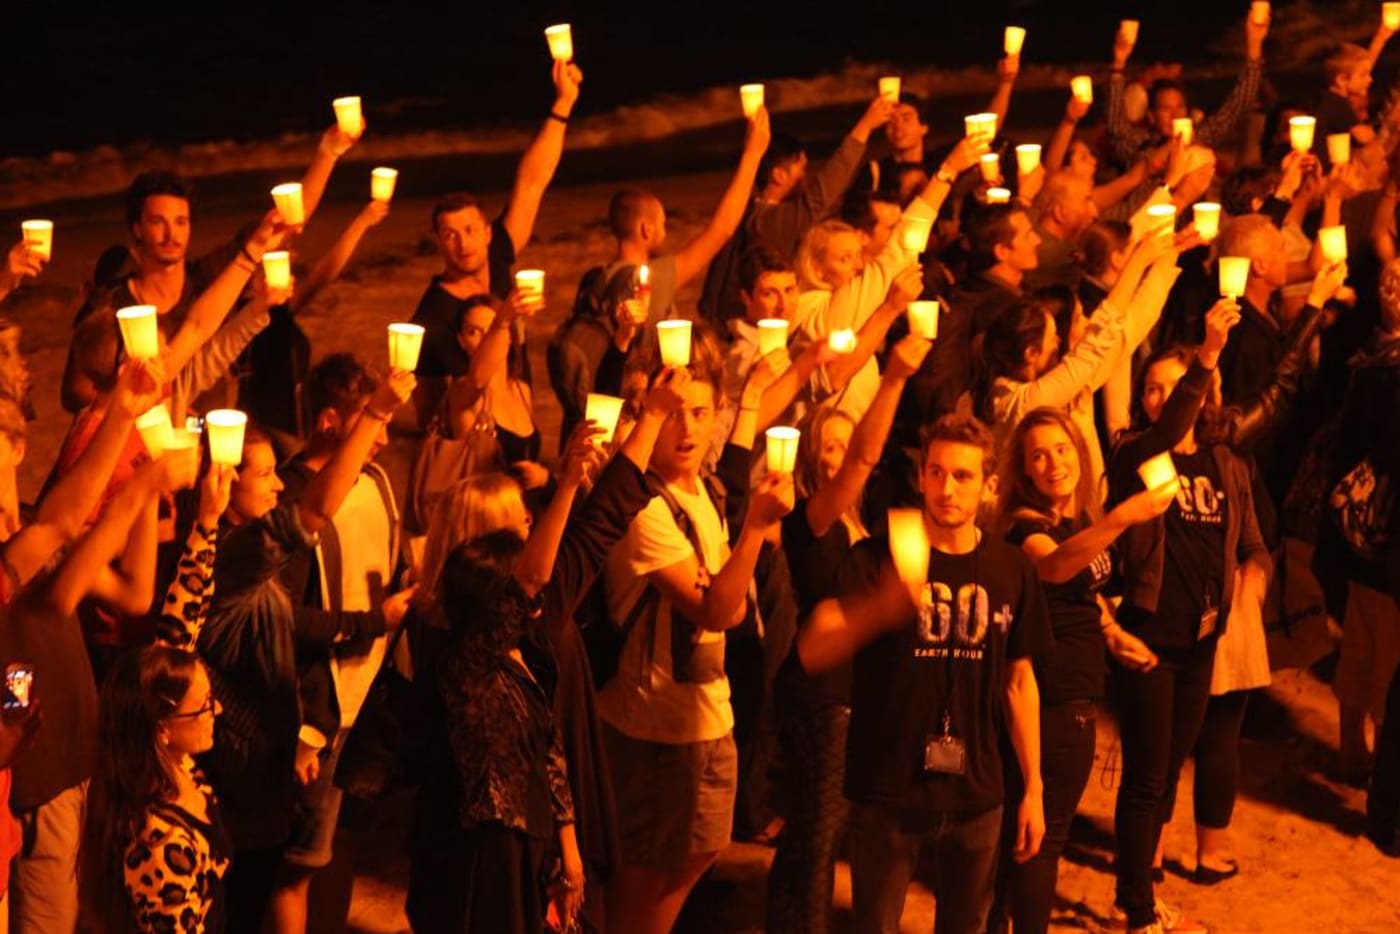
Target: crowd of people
1084,485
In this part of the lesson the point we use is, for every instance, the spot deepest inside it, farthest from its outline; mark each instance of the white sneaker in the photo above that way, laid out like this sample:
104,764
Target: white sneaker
1173,922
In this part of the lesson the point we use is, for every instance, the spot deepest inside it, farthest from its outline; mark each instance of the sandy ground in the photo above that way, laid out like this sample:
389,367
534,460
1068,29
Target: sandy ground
1304,866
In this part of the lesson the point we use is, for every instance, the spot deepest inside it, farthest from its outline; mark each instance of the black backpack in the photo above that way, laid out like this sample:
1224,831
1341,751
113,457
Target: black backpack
579,344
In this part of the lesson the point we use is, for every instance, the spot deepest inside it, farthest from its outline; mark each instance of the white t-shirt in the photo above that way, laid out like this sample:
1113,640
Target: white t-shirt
362,524
644,700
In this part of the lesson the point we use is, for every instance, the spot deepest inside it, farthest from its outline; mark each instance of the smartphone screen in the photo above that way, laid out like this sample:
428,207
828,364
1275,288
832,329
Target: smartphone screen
19,684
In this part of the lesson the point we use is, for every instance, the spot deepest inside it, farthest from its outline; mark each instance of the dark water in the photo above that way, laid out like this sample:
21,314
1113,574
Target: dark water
76,78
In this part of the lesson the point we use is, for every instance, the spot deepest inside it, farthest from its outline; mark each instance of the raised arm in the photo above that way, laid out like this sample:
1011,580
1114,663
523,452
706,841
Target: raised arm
1060,563
1007,70
1058,147
907,286
20,263
191,590
330,266
827,185
538,163
333,145
128,584
1214,129
692,258
535,566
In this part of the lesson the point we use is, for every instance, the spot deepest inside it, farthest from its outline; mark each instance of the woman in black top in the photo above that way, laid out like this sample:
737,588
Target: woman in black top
1049,507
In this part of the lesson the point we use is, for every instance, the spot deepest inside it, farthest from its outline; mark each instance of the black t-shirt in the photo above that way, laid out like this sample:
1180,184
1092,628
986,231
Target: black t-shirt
1193,570
904,680
1073,667
441,355
815,567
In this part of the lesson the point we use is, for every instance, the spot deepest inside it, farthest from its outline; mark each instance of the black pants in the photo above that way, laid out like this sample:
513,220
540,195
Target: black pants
1218,760
1159,718
1025,891
1383,803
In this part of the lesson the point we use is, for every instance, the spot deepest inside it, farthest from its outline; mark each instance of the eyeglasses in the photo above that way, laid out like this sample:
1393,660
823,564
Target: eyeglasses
210,706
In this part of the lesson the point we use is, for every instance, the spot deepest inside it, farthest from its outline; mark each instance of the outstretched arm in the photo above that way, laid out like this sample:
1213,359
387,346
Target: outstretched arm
333,263
334,144
692,258
538,163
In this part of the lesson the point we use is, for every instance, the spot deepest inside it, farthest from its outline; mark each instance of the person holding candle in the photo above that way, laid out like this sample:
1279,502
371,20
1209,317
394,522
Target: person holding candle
1049,506
22,262
1064,209
942,679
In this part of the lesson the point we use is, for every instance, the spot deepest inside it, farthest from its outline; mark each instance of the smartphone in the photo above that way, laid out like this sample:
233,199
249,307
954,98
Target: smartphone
194,425
19,685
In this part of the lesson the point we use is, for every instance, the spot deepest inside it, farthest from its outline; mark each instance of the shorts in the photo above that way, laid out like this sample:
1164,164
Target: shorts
674,801
317,814
1370,650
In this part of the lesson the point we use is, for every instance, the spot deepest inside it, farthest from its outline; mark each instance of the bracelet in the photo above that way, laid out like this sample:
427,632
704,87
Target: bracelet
243,251
946,177
555,116
748,408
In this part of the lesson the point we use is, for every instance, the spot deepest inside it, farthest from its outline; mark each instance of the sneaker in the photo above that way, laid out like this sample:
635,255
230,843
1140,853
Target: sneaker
1173,922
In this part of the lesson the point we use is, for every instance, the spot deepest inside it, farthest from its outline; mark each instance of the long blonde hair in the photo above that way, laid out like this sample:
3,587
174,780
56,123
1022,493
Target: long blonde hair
471,508
812,253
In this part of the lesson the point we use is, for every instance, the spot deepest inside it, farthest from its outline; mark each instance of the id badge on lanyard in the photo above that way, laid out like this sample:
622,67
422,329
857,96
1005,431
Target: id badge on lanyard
945,753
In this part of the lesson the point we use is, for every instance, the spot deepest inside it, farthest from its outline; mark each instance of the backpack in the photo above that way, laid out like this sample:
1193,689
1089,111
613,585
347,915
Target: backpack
719,295
578,345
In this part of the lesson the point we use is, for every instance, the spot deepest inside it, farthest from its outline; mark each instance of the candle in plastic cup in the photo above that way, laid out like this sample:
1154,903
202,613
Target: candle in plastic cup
1333,241
990,164
673,337
348,115
156,432
287,197
1161,217
915,234
782,449
751,99
1128,29
561,42
1338,148
1082,87
1013,39
405,343
225,428
530,282
1390,16
643,276
38,236
1259,12
1300,133
277,268
889,88
923,319
1184,128
311,738
1206,218
1234,275
1158,471
980,125
998,195
184,446
382,182
138,328
603,411
909,546
1027,158
842,341
772,335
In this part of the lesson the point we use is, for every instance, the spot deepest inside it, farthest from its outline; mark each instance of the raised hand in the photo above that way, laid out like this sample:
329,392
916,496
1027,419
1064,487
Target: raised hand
771,499
214,493
906,357
140,385
760,132
667,391
1221,318
392,392
567,79
23,261
1327,283
582,454
905,287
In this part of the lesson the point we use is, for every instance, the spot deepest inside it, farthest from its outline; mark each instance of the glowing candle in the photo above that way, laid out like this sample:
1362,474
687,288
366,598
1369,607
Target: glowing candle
1338,148
1333,241
561,42
1158,471
772,335
1012,41
889,88
155,430
1161,217
530,284
1027,158
138,328
990,164
923,319
998,195
915,233
782,449
643,276
348,115
751,99
225,428
1082,87
287,197
984,125
277,269
1185,129
1206,217
1300,133
1390,16
38,236
842,341
1128,29
1259,12
405,343
382,182
909,546
603,411
1234,274
673,337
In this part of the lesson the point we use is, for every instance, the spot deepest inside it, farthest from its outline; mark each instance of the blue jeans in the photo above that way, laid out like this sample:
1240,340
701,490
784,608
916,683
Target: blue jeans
884,854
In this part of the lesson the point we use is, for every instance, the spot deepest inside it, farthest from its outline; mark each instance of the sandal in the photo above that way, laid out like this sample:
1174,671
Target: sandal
1209,875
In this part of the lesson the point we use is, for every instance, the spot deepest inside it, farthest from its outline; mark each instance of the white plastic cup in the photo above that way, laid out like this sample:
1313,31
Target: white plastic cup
1013,39
1027,158
998,195
1333,242
561,42
138,329
781,448
990,164
673,339
772,335
1158,471
287,198
984,124
1185,128
1300,133
156,432
751,99
277,268
530,283
1338,146
1259,12
225,428
1128,29
909,545
1082,87
310,739
1390,16
842,341
405,344
348,115
382,182
603,411
915,234
1205,215
1234,275
923,319
889,88
1161,217
38,236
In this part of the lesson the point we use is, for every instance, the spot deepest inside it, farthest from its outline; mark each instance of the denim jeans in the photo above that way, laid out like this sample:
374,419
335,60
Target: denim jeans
884,854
